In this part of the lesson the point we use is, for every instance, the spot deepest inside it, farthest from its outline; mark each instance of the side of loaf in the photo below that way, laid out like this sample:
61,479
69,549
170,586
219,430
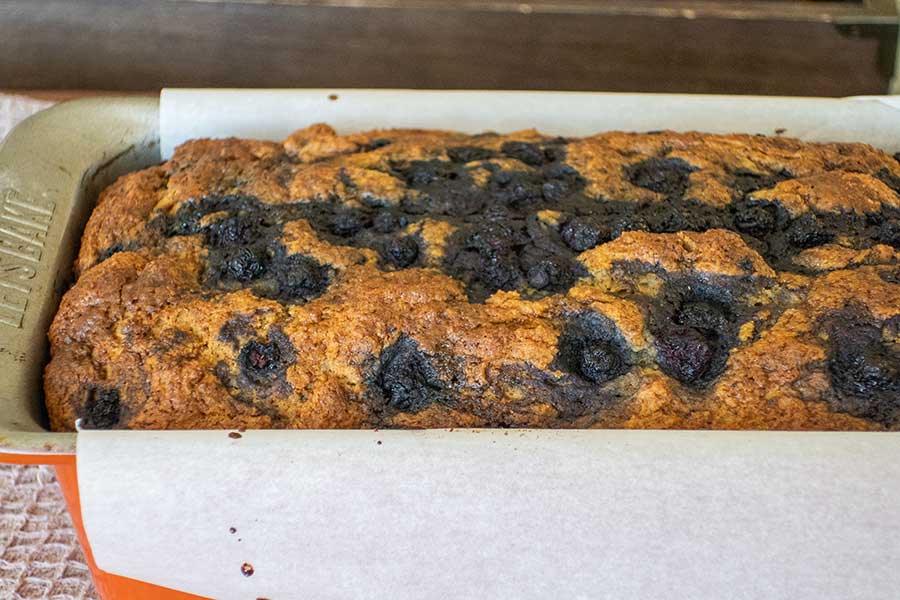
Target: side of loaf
414,278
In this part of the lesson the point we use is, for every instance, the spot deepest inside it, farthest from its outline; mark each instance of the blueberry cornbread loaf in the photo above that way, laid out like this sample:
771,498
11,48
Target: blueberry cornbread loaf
407,278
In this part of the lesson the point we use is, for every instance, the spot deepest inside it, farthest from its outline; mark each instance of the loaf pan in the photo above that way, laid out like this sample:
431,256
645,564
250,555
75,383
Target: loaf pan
54,164
52,167
772,494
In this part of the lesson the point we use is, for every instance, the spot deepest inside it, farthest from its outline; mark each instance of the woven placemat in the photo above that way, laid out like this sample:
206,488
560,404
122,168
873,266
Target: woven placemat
40,558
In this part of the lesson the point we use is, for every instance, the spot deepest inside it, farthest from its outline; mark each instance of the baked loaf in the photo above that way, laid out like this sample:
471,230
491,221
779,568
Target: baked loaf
410,278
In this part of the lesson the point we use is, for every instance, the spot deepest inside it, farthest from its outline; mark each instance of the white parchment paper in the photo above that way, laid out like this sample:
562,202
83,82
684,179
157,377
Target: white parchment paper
273,114
575,514
498,514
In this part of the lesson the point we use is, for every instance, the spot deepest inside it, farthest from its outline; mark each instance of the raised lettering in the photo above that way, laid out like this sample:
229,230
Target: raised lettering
24,223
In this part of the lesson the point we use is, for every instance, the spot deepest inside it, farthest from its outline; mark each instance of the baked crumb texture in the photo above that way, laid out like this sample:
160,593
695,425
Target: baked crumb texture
411,278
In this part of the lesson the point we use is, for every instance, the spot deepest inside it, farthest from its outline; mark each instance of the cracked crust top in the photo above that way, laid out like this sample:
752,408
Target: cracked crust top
410,278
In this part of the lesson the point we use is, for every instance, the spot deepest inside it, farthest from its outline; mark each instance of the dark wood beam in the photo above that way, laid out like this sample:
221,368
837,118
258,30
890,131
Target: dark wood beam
802,47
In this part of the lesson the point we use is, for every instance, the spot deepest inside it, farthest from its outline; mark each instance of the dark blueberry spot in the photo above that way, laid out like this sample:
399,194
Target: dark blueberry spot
694,325
495,237
539,276
890,276
243,264
241,243
889,233
102,408
298,278
445,189
460,203
421,173
667,176
407,378
807,231
889,179
580,234
746,182
864,368
516,189
375,144
592,347
549,272
503,178
243,248
620,225
113,249
387,222
530,154
692,216
559,171
703,315
261,362
486,258
756,218
241,229
600,362
666,218
186,220
684,353
400,252
347,222
505,255
555,151
465,154
554,191
858,372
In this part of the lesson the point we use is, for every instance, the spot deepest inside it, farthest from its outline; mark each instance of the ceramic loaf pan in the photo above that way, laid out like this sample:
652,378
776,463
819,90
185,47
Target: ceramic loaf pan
54,164
716,514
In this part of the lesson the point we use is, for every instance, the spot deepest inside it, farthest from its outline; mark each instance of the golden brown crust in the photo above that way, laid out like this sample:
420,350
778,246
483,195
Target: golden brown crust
832,192
411,278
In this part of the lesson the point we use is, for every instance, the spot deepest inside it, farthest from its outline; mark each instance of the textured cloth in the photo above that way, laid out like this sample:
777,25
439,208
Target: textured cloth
40,557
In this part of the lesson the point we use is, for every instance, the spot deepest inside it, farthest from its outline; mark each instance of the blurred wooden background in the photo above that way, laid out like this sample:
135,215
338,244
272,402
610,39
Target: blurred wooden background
801,47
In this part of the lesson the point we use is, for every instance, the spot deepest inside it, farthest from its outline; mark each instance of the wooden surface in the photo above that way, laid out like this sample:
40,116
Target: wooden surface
716,46
62,95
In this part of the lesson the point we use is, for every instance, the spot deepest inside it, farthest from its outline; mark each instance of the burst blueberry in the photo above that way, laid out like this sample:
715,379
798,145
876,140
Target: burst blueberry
591,347
667,176
102,408
406,377
400,252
